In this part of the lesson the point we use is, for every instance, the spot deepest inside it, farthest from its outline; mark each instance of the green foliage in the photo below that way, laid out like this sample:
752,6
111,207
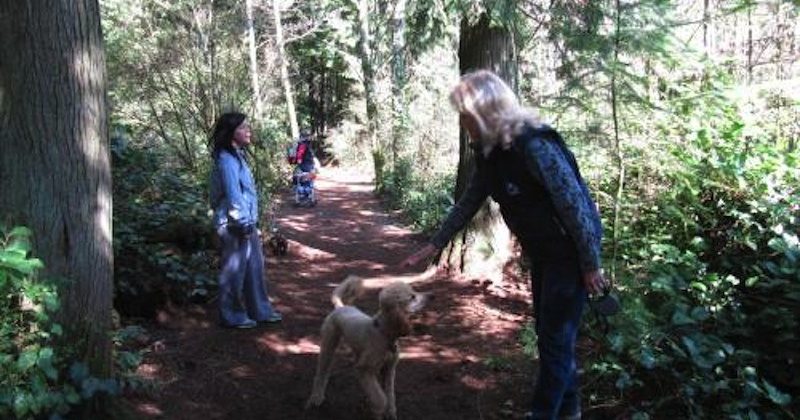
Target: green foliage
529,340
600,45
323,86
29,384
424,201
379,167
128,356
702,319
162,238
429,22
498,363
173,68
39,375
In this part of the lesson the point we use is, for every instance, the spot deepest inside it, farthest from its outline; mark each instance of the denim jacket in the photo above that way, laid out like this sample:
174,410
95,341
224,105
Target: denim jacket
234,197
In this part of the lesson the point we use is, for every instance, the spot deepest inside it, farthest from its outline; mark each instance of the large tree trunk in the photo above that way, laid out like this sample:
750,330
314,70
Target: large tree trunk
252,50
364,49
55,173
484,246
284,64
399,131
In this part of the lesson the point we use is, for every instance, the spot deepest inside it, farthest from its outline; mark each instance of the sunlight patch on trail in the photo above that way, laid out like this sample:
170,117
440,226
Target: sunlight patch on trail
149,409
242,372
425,352
393,231
301,250
281,347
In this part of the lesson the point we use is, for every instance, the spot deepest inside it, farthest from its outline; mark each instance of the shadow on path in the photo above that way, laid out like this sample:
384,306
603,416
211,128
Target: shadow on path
454,366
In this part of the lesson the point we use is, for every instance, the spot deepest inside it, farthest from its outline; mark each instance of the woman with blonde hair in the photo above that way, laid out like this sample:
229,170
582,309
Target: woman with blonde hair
528,170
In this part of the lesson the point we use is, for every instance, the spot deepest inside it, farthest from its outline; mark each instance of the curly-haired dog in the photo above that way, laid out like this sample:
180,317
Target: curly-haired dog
372,339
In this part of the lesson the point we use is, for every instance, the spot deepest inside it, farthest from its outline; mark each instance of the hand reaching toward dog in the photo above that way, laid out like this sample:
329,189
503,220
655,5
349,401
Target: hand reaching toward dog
424,253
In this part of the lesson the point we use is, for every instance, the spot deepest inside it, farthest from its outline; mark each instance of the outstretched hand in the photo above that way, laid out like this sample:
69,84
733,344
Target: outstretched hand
424,253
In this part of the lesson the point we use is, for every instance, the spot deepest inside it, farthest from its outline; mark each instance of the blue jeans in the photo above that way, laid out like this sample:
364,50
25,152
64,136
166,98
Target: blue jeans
242,283
558,299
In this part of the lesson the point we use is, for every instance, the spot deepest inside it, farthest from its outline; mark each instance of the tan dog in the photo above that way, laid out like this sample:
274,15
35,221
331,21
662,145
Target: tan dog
372,339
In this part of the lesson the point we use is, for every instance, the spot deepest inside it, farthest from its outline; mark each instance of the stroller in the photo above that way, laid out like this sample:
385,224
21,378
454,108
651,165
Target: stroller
305,195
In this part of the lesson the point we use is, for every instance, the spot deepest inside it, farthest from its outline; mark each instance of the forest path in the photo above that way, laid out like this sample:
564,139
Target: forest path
455,365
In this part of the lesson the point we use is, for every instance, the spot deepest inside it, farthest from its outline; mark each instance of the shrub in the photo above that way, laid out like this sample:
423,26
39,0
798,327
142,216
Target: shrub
710,320
37,377
163,243
424,201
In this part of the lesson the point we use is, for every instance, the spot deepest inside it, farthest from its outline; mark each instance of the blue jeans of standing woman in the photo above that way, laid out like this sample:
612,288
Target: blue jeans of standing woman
558,299
242,284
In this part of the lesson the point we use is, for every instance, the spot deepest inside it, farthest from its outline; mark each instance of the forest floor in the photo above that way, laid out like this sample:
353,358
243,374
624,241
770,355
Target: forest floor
462,361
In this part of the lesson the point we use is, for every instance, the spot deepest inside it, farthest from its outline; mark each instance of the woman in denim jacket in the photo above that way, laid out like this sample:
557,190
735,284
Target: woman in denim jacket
243,297
528,170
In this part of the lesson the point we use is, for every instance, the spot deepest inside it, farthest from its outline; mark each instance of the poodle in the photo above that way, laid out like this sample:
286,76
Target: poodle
373,340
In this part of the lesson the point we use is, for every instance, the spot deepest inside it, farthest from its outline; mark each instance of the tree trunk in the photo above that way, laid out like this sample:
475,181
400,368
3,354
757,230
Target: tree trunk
322,100
706,22
284,64
368,75
749,45
618,152
483,247
253,53
399,131
55,173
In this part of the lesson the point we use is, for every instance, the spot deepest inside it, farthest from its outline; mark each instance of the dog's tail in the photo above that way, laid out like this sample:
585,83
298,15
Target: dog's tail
348,291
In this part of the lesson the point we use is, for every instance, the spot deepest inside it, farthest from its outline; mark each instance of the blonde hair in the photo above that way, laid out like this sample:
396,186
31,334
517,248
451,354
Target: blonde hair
494,106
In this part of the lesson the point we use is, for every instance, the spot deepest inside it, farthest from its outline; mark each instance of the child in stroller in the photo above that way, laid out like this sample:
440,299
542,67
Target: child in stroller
302,154
304,191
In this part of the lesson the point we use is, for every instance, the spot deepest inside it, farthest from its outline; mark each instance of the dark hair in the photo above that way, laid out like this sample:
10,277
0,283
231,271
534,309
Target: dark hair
222,136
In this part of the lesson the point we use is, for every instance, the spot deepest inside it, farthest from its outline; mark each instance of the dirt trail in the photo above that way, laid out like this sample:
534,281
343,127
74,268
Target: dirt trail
454,366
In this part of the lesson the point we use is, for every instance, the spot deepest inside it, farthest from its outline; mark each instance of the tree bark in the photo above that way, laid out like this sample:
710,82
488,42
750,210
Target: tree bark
253,54
482,46
368,70
55,173
749,45
399,131
284,65
618,152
